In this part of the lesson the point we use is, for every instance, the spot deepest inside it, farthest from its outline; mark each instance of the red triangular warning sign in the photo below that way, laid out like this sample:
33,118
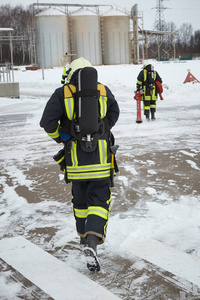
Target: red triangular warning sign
190,78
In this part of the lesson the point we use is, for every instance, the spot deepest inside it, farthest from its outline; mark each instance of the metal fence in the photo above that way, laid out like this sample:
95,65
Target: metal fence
6,74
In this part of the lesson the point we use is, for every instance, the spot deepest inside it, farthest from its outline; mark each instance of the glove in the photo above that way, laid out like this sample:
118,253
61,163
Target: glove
64,136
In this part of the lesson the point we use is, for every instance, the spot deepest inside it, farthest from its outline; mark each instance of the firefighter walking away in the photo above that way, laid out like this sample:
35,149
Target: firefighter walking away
150,82
80,115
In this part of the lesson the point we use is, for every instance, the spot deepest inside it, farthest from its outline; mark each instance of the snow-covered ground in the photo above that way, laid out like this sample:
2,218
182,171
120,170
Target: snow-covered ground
156,193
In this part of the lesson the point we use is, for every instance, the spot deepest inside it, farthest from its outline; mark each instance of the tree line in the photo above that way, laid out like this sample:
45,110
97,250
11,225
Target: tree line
21,20
187,41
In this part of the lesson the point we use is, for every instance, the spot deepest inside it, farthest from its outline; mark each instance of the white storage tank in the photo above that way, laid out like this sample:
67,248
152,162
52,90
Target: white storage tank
115,37
86,39
52,31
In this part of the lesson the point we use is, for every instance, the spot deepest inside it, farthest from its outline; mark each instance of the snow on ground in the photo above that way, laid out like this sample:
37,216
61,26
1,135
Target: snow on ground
156,192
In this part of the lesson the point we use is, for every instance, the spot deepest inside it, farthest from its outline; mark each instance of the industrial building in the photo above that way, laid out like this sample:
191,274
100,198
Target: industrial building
52,37
101,39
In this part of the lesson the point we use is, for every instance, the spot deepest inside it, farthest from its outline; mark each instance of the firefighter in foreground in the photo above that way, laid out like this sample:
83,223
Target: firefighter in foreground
80,114
150,83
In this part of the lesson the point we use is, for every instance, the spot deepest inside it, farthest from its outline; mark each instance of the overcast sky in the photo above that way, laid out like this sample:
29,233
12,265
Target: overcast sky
179,12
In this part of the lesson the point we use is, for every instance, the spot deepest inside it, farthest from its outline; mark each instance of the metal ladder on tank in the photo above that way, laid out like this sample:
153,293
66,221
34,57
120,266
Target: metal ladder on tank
72,51
102,40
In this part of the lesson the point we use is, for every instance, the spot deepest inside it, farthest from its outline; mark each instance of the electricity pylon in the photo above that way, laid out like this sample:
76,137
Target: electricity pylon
160,20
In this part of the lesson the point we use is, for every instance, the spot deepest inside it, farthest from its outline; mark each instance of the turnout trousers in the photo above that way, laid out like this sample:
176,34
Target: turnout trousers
91,204
149,106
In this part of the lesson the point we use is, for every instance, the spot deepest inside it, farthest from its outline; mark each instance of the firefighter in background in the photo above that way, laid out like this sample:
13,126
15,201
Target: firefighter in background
146,82
89,172
65,64
64,75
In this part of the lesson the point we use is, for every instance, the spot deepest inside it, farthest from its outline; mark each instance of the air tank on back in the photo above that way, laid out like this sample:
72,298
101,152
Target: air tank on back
86,40
115,37
52,37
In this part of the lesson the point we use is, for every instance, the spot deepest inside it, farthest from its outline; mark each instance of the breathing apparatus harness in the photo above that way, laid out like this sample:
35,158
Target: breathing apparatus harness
87,126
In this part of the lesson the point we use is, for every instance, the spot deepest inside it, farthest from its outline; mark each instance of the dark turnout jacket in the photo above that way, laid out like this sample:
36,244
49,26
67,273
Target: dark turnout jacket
81,165
143,83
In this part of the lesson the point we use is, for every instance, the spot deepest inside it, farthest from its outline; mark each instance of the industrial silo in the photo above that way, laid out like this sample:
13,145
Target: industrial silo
52,37
115,37
86,39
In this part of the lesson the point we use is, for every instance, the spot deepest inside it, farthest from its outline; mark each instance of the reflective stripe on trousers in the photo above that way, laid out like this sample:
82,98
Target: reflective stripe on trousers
91,201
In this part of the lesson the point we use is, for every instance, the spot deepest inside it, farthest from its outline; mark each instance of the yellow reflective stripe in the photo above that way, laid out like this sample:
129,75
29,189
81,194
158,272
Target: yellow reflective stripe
69,100
103,151
62,158
54,134
92,175
105,227
81,213
64,71
69,107
153,97
145,74
92,210
103,106
98,211
139,82
109,200
144,87
89,168
102,100
74,154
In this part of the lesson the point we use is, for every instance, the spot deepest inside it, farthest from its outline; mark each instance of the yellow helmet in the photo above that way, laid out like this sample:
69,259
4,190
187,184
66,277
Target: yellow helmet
76,64
146,65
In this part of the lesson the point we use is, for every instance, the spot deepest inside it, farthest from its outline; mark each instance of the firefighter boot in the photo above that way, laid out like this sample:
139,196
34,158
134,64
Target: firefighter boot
147,115
89,251
92,241
153,114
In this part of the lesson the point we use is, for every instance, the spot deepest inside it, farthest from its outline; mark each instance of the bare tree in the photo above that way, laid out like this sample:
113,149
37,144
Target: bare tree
195,41
21,21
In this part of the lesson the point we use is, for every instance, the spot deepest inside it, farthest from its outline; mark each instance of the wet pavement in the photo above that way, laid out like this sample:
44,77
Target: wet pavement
49,208
128,278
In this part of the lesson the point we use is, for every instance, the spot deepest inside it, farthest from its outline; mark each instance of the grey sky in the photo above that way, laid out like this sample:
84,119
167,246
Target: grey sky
179,12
